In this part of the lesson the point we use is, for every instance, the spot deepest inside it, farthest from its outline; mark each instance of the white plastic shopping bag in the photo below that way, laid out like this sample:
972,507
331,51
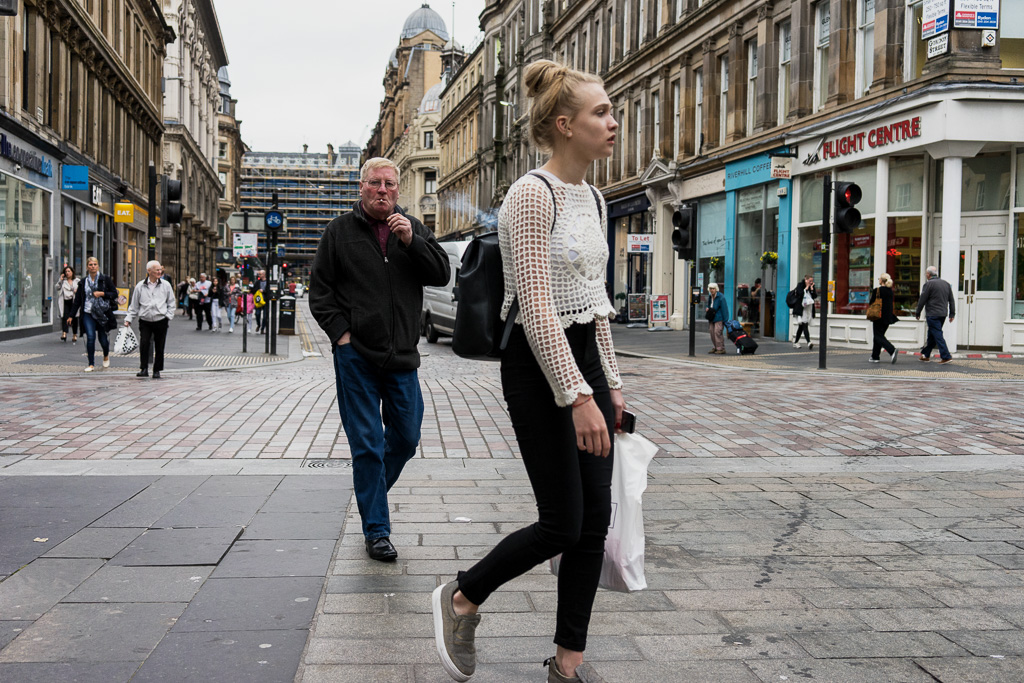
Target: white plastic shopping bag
125,342
623,566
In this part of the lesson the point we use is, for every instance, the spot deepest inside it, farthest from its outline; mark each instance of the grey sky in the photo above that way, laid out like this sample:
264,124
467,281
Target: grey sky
311,71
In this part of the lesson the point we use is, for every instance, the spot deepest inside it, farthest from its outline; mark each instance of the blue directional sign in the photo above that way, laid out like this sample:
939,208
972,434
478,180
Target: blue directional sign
280,252
273,220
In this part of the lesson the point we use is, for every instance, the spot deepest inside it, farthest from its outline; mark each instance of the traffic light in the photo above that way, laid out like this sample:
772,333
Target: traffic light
683,235
847,217
170,201
284,269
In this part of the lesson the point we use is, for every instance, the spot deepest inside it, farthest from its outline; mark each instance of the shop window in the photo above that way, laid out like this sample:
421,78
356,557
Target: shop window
711,245
914,51
25,215
808,256
906,184
903,262
864,176
986,183
822,36
811,189
1011,35
853,268
1019,202
1018,297
785,58
757,231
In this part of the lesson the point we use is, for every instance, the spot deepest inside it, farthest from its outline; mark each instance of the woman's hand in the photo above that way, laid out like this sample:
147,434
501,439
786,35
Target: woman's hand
619,404
591,430
98,295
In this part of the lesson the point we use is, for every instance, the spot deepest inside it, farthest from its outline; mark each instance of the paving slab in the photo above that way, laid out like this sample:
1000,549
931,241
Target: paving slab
307,501
31,592
870,644
225,657
94,633
294,525
276,558
177,547
870,670
212,511
252,605
9,630
146,507
101,543
141,584
68,672
973,669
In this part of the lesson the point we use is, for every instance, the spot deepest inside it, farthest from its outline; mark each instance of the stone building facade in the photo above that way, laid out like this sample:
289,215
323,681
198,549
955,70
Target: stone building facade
81,120
192,101
230,150
460,212
417,156
707,92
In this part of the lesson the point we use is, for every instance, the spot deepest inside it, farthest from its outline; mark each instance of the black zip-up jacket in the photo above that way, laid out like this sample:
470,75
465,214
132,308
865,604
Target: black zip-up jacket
355,288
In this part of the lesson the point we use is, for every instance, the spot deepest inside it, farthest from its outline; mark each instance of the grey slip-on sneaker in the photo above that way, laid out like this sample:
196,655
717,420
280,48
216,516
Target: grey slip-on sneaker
454,635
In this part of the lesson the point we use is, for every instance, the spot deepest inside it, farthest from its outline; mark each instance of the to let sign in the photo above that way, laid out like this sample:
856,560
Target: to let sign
124,213
934,18
245,244
639,244
976,13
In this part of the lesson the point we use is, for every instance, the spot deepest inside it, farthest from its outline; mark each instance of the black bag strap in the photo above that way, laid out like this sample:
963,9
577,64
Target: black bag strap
513,309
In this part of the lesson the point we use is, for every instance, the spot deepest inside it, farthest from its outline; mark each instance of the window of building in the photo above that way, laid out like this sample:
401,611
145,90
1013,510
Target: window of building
620,149
865,46
785,55
25,60
1011,35
914,51
698,109
223,177
599,65
428,139
638,139
986,183
430,182
751,85
24,245
822,36
222,150
723,98
625,29
676,120
642,22
680,6
656,118
853,257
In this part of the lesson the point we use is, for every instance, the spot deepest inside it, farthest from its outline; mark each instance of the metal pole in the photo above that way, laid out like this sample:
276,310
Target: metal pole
152,212
693,305
275,283
244,301
826,240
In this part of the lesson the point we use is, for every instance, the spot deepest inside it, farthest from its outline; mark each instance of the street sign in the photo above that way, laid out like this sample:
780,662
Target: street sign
245,244
782,167
236,222
938,46
273,220
280,252
124,213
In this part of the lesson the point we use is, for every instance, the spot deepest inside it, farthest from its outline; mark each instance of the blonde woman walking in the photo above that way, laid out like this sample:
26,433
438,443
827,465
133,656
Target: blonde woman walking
558,374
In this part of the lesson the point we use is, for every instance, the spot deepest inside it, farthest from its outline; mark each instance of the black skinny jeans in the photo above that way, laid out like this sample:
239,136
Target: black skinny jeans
880,342
201,310
64,326
572,488
803,329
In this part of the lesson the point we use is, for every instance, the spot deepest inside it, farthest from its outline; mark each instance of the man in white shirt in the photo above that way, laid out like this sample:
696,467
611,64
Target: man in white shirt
153,303
204,307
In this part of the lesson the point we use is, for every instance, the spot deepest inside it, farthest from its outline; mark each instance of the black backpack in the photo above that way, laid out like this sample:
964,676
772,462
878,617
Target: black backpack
480,333
793,298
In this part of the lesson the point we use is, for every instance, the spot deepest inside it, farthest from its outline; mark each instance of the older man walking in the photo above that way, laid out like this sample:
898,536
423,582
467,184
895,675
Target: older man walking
937,301
366,293
153,304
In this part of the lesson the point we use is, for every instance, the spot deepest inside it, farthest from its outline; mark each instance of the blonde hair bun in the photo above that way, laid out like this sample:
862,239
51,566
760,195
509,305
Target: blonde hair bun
554,91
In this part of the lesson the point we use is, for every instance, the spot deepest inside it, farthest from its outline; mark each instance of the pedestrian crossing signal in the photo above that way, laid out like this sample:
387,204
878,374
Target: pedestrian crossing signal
847,217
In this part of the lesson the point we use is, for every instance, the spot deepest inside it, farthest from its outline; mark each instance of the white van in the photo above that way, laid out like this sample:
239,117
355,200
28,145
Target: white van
439,303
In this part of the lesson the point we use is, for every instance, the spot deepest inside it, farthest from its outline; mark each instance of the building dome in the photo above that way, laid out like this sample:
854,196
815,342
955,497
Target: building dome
225,82
393,59
424,19
431,101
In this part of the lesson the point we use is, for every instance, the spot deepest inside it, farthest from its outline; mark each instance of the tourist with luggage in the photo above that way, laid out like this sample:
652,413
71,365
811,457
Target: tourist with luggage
717,313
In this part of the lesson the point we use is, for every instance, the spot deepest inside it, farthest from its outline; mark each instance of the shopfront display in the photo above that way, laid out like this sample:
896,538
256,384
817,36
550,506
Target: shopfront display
631,240
24,245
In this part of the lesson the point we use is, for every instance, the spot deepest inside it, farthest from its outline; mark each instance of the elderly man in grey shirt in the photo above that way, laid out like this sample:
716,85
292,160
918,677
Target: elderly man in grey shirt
936,301
153,303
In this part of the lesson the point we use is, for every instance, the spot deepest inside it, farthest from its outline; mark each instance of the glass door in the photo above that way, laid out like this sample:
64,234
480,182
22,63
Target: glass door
981,297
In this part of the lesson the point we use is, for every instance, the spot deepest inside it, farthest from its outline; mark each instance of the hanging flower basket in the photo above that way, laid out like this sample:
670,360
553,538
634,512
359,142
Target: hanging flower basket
769,259
716,263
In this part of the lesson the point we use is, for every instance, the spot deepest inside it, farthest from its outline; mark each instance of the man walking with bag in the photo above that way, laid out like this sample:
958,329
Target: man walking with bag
153,304
937,301
367,294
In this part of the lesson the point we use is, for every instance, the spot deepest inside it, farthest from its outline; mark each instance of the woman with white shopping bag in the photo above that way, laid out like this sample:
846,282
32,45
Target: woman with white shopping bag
558,372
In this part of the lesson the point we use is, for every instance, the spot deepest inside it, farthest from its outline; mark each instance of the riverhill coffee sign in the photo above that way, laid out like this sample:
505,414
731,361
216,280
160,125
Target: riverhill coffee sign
873,138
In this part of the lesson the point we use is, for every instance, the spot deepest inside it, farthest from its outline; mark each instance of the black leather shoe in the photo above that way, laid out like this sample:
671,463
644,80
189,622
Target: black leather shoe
156,374
144,373
381,549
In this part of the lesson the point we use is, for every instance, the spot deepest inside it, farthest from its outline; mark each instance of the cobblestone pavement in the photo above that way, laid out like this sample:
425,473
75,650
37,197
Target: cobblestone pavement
800,525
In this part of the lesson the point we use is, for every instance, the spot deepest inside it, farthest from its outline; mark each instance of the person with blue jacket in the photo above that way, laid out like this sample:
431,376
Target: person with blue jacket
716,303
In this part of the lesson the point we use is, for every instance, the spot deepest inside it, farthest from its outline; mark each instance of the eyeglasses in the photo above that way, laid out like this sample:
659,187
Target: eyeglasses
375,184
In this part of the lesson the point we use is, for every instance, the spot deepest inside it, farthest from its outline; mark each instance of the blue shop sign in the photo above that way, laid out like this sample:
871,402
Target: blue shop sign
751,171
25,157
75,178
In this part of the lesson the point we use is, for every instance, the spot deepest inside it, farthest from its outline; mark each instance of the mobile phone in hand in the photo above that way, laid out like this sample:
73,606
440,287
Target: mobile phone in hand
628,423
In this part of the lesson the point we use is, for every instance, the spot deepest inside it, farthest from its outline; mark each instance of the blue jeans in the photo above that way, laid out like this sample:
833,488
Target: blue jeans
91,331
935,338
381,412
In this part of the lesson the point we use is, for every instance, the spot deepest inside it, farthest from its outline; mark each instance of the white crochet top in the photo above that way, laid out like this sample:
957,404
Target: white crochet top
558,274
